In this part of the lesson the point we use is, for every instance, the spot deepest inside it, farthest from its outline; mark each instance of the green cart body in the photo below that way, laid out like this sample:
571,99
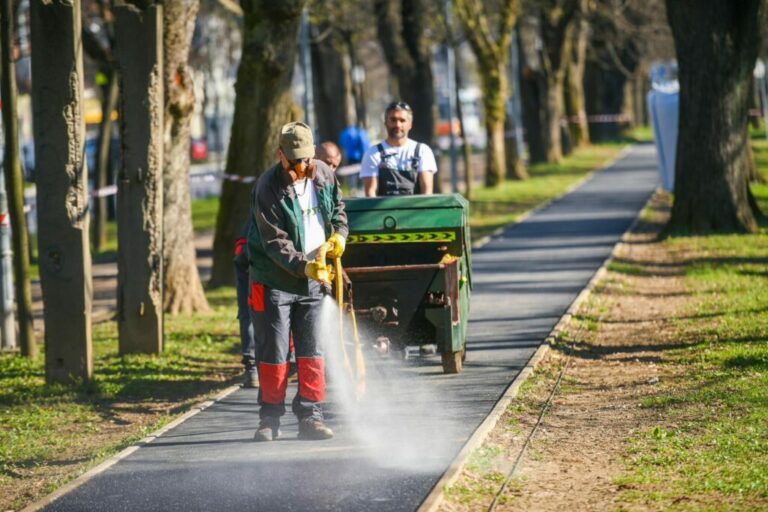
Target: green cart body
409,262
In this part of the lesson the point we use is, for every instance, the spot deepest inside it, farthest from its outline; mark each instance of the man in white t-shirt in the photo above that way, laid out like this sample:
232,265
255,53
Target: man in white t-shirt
398,165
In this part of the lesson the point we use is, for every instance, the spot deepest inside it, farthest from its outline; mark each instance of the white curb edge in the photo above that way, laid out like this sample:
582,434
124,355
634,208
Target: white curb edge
74,484
435,498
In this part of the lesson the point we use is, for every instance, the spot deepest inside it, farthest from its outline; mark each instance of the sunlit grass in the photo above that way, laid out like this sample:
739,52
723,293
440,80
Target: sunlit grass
41,424
203,219
494,207
711,452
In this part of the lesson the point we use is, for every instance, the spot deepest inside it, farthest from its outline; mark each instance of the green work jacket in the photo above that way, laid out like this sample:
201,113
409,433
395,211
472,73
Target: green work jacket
276,235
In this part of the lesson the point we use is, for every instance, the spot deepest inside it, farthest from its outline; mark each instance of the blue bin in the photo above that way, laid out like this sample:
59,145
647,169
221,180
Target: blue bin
664,107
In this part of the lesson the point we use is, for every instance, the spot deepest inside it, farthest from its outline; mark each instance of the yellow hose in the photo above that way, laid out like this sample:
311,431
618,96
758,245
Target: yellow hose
340,301
359,361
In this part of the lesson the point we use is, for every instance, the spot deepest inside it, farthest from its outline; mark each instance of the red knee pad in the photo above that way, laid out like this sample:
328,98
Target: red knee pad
312,378
273,380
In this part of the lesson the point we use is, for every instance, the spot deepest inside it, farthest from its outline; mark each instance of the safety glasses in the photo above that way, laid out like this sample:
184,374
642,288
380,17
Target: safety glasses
398,105
294,163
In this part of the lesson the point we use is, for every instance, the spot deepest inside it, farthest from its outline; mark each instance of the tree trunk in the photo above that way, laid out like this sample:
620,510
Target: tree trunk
533,87
140,181
574,83
356,87
263,104
402,32
715,64
62,190
556,22
14,183
554,109
104,168
332,86
604,95
183,289
494,101
466,147
492,58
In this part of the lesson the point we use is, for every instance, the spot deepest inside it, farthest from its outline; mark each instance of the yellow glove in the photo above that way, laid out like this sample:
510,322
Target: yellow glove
337,246
318,271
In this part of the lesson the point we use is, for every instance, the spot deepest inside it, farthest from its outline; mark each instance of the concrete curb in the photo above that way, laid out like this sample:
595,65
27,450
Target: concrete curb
74,484
435,498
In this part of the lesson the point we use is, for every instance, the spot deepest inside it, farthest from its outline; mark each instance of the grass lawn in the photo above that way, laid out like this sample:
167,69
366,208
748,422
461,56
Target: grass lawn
203,219
492,208
51,433
716,439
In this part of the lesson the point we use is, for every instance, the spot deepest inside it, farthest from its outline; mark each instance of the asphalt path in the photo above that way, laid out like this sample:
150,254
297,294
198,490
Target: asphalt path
392,447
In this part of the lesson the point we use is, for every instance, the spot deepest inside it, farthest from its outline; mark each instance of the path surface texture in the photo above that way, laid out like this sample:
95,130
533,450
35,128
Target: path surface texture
392,446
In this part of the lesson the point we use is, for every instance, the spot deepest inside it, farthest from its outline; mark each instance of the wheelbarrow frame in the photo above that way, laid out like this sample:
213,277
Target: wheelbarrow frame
440,315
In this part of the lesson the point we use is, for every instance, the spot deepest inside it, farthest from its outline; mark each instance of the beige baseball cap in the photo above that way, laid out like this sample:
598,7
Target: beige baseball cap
296,141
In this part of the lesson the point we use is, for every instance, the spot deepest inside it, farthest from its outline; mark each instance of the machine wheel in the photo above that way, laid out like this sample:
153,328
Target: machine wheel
453,362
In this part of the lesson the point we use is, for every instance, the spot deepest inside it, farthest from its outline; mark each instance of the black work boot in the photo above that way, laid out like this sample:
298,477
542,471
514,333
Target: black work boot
250,377
251,372
314,429
269,429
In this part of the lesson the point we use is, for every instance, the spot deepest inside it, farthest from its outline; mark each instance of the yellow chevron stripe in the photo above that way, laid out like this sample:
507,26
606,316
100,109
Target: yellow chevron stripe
400,238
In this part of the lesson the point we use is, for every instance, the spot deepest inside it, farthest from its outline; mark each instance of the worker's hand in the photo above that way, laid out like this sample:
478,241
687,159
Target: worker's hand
337,246
318,272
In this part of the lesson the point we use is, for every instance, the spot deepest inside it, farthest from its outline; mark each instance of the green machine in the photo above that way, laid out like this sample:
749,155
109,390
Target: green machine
408,259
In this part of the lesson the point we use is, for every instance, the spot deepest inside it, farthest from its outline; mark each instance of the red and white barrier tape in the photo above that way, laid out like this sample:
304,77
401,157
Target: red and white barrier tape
239,179
600,118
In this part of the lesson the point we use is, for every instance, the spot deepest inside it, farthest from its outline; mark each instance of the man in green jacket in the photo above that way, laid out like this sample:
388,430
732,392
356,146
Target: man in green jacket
296,208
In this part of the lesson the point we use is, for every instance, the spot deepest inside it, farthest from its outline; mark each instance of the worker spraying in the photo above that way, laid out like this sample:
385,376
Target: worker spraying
296,209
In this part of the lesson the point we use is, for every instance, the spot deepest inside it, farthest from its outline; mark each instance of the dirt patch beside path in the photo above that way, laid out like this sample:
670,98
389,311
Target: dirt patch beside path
616,342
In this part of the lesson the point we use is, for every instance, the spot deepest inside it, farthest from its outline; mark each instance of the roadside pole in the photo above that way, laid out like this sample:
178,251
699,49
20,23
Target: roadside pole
7,322
515,104
450,65
14,186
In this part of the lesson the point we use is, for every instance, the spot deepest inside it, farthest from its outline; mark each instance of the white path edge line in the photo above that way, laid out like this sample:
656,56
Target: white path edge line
435,498
74,484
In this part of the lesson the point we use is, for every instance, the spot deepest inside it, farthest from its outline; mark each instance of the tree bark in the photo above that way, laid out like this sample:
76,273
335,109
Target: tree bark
14,184
332,86
574,83
263,104
357,88
183,290
533,90
604,94
401,29
494,84
140,181
62,190
492,52
556,21
717,44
